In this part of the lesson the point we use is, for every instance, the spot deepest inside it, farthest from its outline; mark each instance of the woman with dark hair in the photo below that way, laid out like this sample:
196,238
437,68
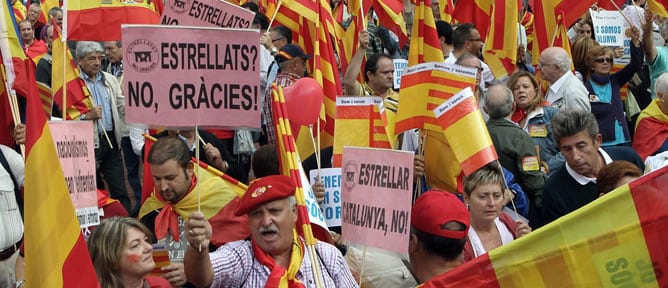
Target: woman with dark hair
490,227
604,90
122,254
616,174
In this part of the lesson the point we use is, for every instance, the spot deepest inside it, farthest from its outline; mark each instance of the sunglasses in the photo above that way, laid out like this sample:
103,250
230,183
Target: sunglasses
603,60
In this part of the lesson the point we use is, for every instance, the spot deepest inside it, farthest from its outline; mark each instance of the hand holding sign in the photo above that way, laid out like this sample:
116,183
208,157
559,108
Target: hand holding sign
303,100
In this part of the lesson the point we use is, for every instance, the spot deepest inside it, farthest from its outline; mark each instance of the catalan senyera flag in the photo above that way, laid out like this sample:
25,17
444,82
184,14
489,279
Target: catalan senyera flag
447,9
12,51
79,100
291,166
476,12
460,115
618,239
362,115
500,51
424,46
101,20
20,10
53,238
551,21
390,15
348,40
46,96
658,7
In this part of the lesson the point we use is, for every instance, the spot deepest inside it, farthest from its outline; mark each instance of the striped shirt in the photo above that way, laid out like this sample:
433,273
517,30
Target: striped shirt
283,80
234,265
11,225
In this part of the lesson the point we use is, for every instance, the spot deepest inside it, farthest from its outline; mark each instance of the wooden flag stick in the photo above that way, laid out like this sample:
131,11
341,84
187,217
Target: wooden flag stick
273,17
623,15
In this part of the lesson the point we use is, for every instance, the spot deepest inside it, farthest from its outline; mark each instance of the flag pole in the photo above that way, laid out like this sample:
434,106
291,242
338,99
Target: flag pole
63,39
506,188
14,105
273,17
199,208
623,15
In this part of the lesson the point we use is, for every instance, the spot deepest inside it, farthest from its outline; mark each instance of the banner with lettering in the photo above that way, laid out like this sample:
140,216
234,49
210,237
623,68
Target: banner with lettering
74,145
186,76
608,27
206,13
399,65
331,205
376,197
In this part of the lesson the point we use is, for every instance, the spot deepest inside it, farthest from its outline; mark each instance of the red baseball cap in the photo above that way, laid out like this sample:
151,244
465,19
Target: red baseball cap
263,190
434,208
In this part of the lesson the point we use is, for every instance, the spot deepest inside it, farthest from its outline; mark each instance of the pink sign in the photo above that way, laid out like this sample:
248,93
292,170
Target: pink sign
377,187
206,13
74,145
186,76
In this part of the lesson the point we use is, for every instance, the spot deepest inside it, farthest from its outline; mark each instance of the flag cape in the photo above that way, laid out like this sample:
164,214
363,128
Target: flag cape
615,240
53,239
362,115
79,100
218,201
648,140
101,20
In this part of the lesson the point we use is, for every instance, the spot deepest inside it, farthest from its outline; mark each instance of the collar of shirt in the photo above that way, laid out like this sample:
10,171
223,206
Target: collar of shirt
557,84
538,112
584,180
98,77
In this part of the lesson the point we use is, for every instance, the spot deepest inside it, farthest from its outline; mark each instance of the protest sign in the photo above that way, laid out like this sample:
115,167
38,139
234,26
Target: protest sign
189,76
399,65
206,13
74,145
376,197
331,205
608,27
314,212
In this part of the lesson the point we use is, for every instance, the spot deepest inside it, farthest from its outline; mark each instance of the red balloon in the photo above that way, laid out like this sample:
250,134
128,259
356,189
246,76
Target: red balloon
303,101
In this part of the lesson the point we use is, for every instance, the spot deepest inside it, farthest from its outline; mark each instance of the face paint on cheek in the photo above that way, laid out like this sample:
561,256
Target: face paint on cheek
133,258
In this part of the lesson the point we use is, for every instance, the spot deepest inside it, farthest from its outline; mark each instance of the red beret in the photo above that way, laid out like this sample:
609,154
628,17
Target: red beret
263,190
434,208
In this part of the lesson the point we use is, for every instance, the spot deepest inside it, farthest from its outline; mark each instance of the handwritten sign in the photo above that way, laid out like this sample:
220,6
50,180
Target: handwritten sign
399,65
331,205
206,13
74,145
187,76
608,27
376,204
314,212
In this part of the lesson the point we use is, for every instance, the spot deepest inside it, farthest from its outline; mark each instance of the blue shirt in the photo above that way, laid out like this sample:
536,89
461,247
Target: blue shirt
101,98
604,93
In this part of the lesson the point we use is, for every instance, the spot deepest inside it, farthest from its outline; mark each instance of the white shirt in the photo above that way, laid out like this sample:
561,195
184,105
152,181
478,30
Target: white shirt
584,180
11,225
552,95
478,248
487,75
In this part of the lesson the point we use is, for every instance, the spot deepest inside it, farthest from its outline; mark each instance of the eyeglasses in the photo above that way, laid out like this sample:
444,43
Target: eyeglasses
274,40
541,64
475,40
603,60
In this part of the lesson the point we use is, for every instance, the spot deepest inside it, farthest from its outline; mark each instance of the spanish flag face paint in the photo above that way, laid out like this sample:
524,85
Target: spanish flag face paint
137,254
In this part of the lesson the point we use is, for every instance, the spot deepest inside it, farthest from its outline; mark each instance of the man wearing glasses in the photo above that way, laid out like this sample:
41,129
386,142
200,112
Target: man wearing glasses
466,39
566,91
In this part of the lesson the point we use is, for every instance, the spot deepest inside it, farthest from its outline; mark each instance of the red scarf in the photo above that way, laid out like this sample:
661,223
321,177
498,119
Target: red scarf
279,276
167,219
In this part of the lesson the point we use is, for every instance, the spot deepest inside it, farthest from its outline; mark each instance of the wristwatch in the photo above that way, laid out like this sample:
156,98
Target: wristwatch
274,50
82,117
19,283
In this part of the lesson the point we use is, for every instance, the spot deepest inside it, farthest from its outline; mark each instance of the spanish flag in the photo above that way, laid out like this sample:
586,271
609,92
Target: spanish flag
46,5
12,52
54,245
616,241
78,100
101,20
654,134
552,19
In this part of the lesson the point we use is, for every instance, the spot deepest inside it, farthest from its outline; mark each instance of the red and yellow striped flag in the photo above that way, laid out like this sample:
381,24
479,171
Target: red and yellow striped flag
616,241
362,115
460,115
390,15
46,96
658,7
447,9
290,166
551,20
46,5
78,100
476,12
53,238
19,10
500,51
101,20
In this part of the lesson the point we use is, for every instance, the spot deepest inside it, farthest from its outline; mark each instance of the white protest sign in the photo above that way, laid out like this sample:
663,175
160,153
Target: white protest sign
331,205
187,76
399,65
74,145
314,213
608,27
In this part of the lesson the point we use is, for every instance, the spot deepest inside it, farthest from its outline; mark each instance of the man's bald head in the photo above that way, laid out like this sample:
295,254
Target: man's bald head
499,101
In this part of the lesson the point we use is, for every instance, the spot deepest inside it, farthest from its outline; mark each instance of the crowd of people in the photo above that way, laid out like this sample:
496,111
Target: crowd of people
561,145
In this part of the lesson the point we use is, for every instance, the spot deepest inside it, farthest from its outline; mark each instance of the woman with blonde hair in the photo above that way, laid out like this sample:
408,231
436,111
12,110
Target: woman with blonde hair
580,51
534,115
122,254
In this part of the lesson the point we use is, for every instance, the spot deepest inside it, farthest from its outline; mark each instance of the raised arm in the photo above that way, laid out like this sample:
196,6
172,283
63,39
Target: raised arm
350,85
647,41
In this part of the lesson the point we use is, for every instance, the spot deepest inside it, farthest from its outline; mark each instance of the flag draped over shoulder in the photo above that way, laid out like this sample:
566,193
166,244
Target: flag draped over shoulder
53,240
500,51
659,7
65,72
589,247
551,21
101,20
362,115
